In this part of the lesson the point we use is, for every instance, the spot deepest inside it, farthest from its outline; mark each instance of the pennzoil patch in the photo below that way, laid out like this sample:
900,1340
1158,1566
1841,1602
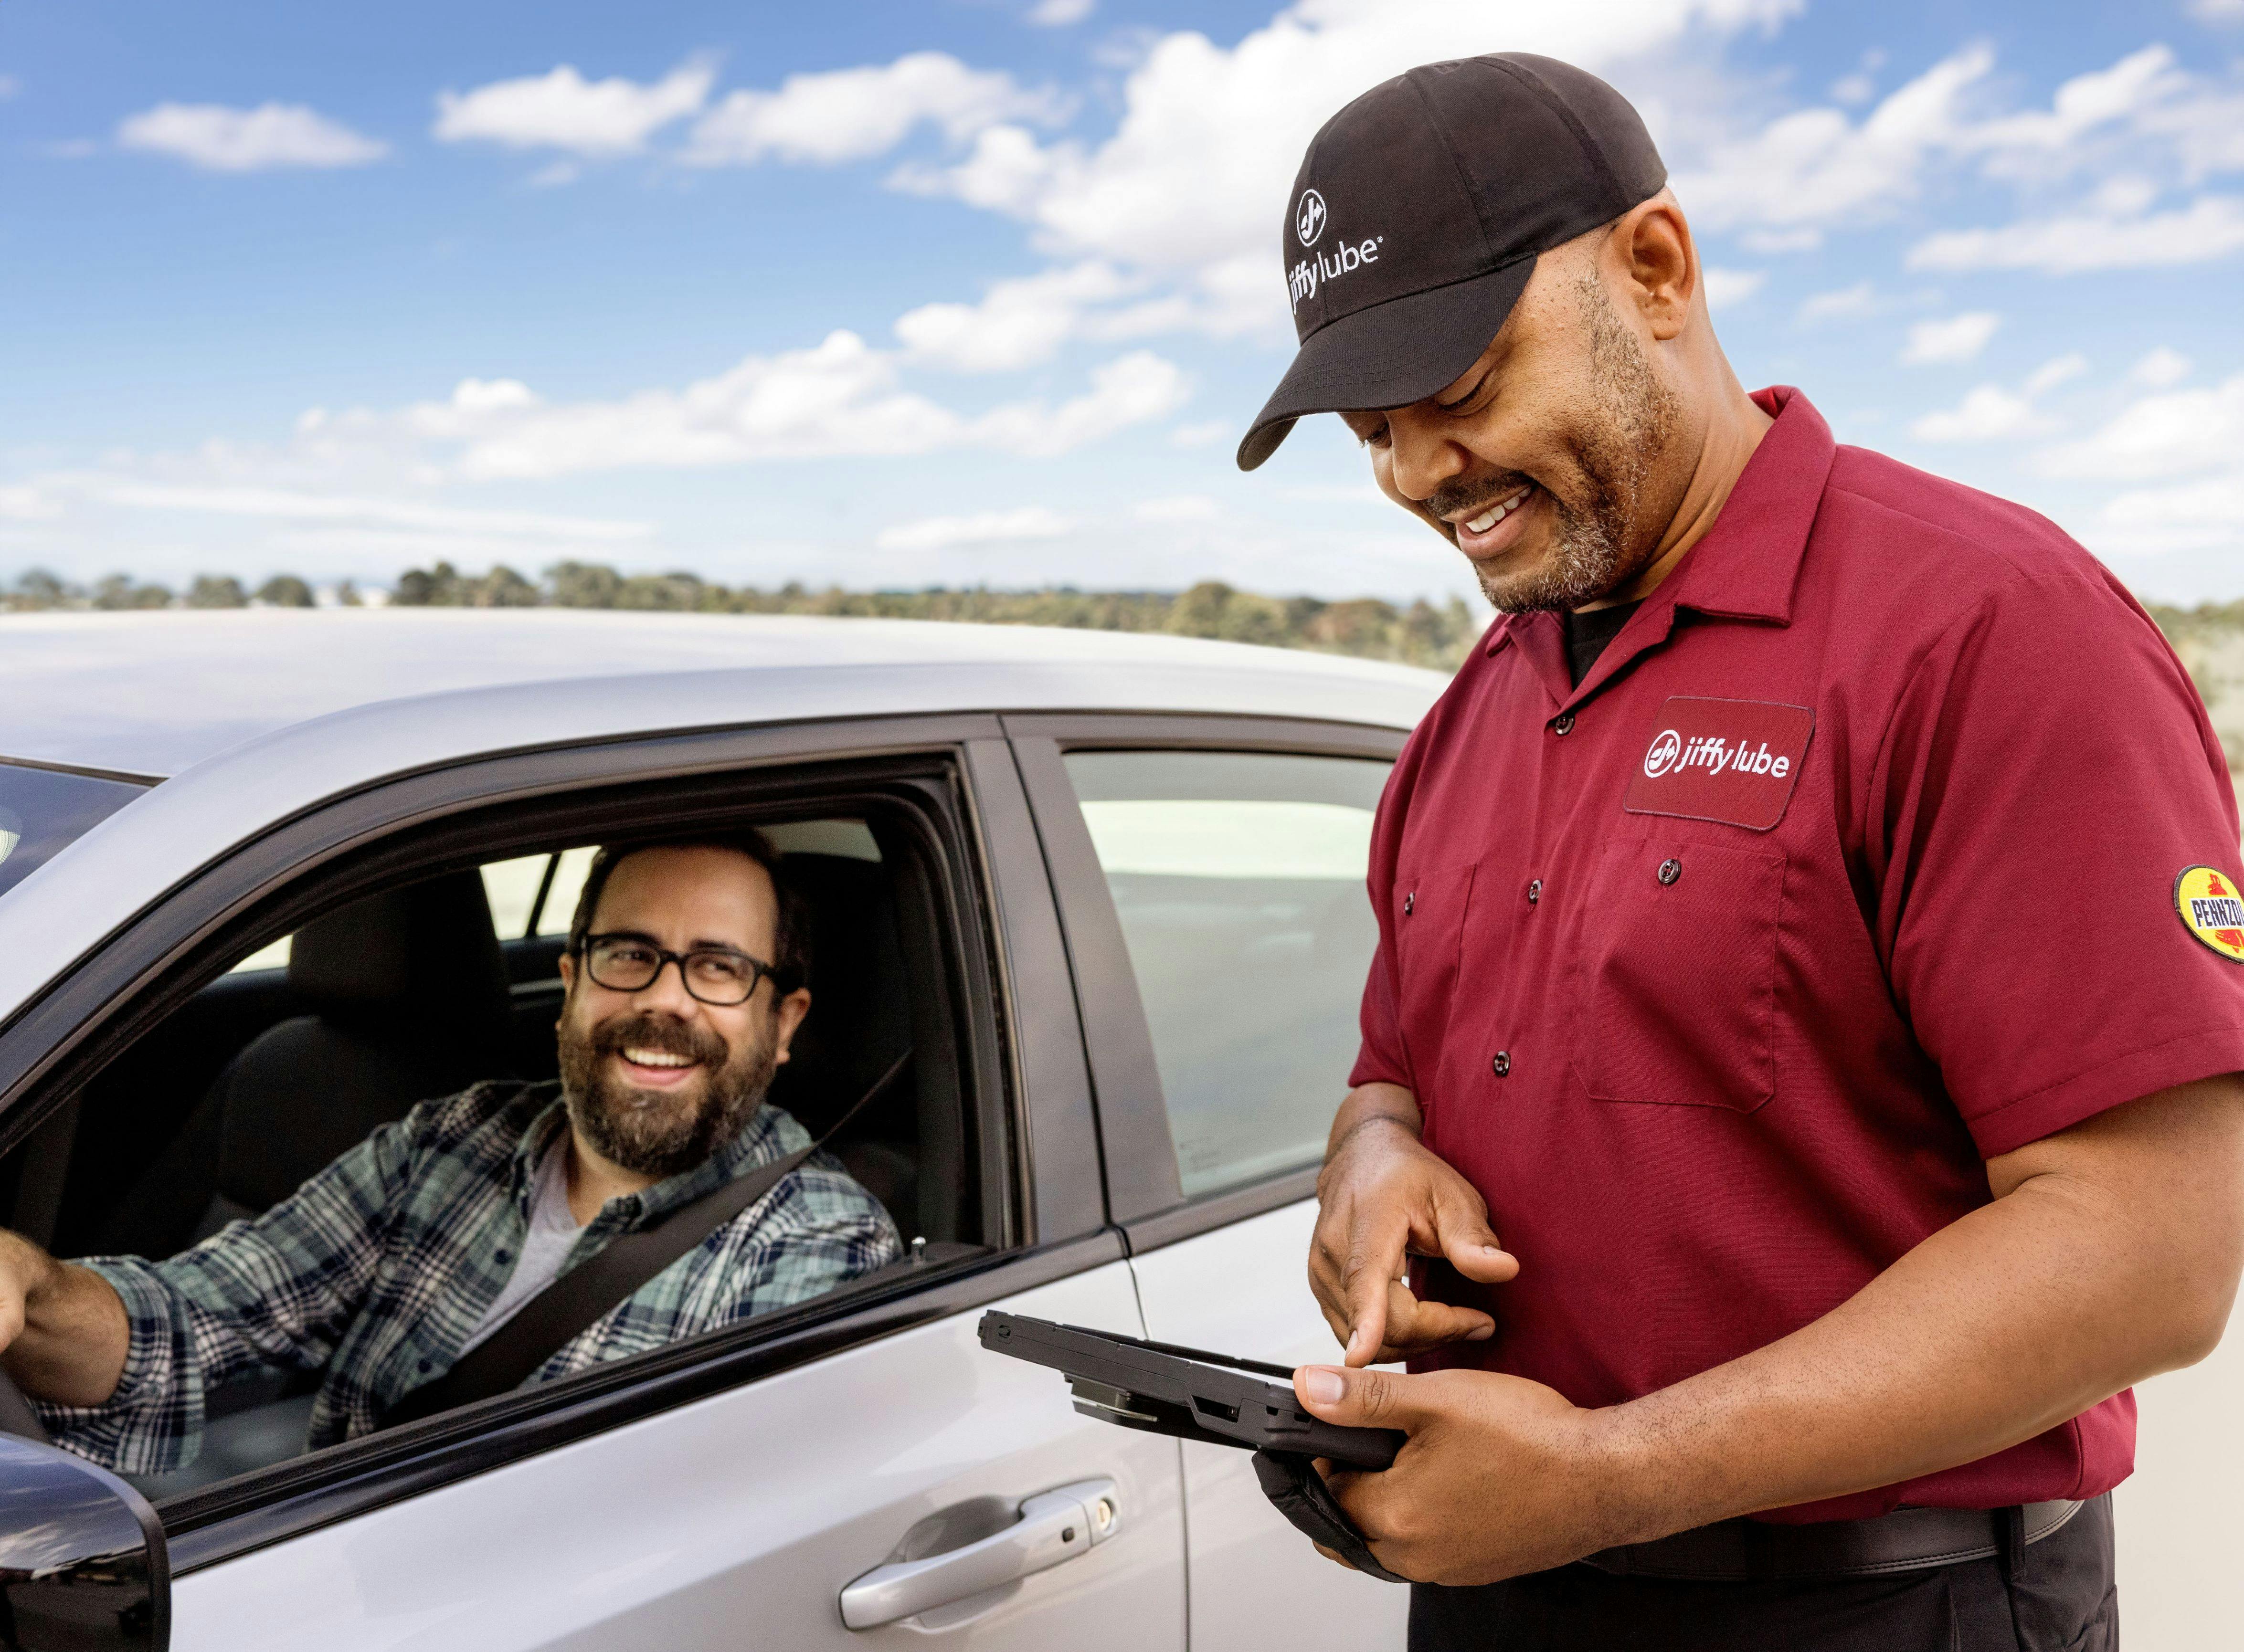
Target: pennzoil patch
2211,910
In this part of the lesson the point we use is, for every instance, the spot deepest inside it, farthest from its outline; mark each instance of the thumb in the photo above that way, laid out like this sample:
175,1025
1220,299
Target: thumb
1470,1244
1358,1399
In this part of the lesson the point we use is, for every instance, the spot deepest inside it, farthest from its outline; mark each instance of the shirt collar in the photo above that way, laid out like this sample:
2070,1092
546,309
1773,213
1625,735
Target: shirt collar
1746,565
759,1143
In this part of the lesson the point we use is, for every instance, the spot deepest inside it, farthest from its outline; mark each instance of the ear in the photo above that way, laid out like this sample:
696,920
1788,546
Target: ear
790,1010
1660,265
568,965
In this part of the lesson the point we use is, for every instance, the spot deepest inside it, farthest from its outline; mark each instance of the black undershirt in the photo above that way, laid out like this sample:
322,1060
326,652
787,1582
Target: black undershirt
1587,635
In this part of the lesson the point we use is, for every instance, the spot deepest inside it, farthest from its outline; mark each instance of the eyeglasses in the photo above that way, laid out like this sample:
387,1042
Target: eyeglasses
716,975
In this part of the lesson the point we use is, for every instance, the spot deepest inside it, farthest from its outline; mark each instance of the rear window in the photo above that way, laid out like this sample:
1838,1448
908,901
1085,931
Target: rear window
43,811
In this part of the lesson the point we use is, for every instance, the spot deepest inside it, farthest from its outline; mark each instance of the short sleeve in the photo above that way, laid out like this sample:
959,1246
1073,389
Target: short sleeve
2047,775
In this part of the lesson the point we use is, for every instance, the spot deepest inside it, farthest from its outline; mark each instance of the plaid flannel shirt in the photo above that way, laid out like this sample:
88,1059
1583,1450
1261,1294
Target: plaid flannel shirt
379,1268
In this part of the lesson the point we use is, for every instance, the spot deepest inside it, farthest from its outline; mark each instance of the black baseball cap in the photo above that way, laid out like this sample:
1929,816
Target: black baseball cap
1417,215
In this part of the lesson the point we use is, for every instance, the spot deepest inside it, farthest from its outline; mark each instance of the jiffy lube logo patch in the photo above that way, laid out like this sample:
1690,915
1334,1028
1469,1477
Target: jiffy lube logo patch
1735,761
2211,910
1310,217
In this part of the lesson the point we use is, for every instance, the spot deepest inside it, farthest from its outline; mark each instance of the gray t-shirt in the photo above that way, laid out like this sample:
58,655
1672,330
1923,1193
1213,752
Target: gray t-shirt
544,1247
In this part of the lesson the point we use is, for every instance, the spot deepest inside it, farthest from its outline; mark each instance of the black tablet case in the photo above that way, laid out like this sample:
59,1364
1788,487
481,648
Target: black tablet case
1196,1395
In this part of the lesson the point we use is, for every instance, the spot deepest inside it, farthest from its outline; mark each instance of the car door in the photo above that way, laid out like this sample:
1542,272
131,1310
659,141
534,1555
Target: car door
727,1492
1210,876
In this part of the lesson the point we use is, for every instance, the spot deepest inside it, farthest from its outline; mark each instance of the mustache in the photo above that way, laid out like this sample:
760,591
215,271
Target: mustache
1465,492
642,1031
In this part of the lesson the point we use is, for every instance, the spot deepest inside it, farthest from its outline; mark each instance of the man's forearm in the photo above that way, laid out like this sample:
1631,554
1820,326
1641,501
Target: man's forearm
2096,1267
1368,1104
75,1334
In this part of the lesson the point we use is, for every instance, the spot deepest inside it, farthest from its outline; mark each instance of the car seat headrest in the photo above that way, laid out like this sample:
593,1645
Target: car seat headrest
426,947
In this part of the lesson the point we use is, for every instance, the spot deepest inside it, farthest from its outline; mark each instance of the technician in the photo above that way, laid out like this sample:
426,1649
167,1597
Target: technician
1809,927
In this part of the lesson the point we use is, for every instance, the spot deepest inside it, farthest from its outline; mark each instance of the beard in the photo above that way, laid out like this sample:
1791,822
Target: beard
660,1133
1597,544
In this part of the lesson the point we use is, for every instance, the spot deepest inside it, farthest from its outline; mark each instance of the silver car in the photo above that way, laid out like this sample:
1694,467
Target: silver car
1106,889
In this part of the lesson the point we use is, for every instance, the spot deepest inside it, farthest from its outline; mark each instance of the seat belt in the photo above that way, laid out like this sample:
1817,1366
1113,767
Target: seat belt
583,1296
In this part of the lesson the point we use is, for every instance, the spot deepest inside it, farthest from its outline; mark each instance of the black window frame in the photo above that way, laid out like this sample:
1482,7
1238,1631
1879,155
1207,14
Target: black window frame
1145,1190
1036,1073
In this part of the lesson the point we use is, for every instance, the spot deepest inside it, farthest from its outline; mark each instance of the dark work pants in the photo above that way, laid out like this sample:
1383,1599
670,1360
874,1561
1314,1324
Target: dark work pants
2061,1600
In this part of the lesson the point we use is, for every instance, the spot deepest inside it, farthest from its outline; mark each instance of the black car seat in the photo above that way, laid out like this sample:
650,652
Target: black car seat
407,999
859,1021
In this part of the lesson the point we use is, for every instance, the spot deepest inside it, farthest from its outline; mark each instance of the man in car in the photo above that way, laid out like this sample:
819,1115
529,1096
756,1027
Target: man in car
684,980
1808,931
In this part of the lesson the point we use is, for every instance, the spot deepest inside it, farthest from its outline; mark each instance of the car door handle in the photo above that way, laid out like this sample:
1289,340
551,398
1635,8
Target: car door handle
1054,1526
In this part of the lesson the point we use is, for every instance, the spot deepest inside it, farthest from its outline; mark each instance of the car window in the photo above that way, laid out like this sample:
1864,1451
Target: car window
42,810
1238,878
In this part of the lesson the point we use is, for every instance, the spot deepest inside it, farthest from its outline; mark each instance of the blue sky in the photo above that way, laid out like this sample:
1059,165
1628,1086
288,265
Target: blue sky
986,290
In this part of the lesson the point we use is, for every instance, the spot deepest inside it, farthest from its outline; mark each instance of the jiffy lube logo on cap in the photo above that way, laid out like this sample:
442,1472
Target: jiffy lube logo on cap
1735,761
2211,910
1310,217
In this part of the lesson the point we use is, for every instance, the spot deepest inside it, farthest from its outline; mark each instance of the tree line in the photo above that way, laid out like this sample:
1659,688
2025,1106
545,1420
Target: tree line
1420,633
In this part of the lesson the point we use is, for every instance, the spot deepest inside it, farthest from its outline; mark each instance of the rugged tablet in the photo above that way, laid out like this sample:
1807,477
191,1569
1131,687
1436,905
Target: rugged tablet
1184,1392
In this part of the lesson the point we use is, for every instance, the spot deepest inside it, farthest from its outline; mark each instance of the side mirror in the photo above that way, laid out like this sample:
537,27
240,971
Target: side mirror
82,1560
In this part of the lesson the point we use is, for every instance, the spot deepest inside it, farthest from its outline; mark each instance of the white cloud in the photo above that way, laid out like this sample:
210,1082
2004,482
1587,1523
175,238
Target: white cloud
2163,366
1020,321
562,110
28,503
1846,303
1987,414
853,114
2217,10
2168,434
2060,370
983,527
1131,389
1990,413
1816,167
2197,515
1190,183
1192,507
1960,338
1726,287
2210,227
220,139
273,503
2082,105
1207,432
839,397
1058,14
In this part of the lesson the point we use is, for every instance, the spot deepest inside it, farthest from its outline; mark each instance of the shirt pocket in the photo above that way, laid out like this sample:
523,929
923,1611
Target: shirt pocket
1675,998
1430,927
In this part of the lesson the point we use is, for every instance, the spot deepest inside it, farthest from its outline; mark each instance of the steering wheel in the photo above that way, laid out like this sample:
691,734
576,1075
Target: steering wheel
17,1416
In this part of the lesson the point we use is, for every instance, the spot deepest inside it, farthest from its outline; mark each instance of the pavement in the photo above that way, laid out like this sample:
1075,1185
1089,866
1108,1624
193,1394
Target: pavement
2180,1518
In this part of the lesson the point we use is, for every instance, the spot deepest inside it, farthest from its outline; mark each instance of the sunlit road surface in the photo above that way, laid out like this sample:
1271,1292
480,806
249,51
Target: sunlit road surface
2181,1516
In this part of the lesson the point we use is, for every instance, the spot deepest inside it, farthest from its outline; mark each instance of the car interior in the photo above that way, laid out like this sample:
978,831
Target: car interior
304,1045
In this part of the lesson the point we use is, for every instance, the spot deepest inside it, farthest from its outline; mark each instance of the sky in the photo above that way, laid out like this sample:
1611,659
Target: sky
966,292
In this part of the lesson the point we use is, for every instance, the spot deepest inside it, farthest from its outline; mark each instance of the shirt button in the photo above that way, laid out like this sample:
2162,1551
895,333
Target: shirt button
1409,902
1564,724
1502,1064
1534,892
424,1365
1670,870
502,1256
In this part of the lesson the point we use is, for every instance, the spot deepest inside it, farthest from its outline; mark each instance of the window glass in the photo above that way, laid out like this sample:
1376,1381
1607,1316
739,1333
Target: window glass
511,888
43,810
1238,880
569,867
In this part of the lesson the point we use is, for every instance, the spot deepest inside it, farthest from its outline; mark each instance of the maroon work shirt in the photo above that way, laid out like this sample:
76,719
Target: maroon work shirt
1855,861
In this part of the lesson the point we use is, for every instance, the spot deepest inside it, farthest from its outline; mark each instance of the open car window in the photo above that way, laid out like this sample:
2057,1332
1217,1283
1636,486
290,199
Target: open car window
441,974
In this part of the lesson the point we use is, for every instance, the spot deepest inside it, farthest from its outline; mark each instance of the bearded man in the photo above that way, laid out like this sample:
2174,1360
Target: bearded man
684,980
1808,931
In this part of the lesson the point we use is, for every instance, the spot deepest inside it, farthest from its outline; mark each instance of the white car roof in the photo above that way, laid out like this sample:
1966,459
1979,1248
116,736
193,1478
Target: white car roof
157,693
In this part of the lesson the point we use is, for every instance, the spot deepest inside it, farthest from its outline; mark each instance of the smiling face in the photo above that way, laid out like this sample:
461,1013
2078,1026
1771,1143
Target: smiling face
1552,462
655,1080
